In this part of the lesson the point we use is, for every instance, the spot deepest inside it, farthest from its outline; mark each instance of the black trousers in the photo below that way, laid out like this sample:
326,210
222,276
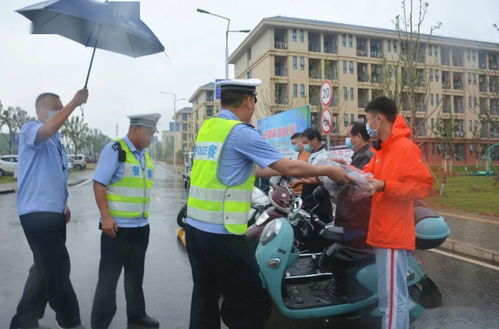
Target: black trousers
225,265
48,279
128,251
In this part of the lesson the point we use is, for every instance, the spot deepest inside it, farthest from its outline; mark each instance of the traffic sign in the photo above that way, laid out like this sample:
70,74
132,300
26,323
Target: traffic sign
326,93
326,121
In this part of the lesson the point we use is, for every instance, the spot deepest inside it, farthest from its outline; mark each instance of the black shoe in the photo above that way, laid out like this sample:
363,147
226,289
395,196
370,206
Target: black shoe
144,322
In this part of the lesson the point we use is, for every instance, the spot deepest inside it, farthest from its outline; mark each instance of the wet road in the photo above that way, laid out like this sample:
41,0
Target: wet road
471,292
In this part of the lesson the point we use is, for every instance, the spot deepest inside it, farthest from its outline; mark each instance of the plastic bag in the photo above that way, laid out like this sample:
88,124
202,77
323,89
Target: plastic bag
359,188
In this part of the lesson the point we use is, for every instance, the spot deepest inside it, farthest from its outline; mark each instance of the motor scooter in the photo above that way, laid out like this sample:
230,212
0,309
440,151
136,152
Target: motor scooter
304,285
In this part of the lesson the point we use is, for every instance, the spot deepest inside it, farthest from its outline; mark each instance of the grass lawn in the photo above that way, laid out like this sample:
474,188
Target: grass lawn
469,194
6,179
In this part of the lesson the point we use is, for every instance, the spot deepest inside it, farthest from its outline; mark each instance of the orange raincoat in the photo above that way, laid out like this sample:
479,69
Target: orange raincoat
399,163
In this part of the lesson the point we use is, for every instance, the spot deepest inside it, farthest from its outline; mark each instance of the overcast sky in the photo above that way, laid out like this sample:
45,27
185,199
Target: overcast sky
119,85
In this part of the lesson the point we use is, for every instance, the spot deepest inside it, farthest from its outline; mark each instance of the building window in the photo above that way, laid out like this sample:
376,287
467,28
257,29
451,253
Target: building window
302,90
302,63
249,74
389,45
471,125
437,75
209,96
302,36
468,54
345,93
184,116
350,41
430,50
209,110
474,79
351,67
473,55
344,40
295,90
475,102
431,100
352,118
469,78
294,35
345,67
345,120
184,126
431,74
470,102
437,99
249,53
295,63
351,95
432,124
395,45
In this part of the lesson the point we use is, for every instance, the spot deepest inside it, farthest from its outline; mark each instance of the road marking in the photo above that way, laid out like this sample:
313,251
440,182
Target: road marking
82,183
483,220
465,259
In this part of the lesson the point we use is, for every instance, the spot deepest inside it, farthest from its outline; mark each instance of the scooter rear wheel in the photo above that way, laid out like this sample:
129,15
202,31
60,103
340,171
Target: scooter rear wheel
182,216
426,293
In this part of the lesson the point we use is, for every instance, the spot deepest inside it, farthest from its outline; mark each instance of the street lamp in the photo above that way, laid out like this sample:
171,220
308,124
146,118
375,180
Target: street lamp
175,99
202,11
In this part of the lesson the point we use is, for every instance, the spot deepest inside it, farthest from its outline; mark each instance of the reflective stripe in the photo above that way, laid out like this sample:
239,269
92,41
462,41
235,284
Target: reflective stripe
208,151
215,195
217,217
126,191
126,206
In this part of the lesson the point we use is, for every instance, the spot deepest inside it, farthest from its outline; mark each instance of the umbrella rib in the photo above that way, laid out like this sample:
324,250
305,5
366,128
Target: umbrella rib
90,36
131,45
51,18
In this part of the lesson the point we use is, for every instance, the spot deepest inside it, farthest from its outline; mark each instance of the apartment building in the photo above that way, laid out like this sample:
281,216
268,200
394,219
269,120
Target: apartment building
204,105
459,78
183,118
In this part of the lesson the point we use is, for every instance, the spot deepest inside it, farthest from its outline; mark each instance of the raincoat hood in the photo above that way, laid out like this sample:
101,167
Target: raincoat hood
399,129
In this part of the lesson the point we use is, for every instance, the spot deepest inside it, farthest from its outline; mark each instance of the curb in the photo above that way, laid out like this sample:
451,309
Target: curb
79,181
462,248
7,191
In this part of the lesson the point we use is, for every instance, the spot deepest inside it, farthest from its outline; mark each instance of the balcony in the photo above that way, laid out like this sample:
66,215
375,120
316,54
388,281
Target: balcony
362,47
363,97
447,106
314,42
330,70
493,59
445,80
457,57
420,127
445,55
457,80
376,48
281,39
484,105
494,106
420,78
314,68
281,93
330,43
458,104
482,83
281,66
362,75
420,103
314,95
494,84
482,60
376,73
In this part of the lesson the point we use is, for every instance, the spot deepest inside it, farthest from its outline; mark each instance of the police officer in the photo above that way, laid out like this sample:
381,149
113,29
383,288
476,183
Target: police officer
42,206
122,187
222,178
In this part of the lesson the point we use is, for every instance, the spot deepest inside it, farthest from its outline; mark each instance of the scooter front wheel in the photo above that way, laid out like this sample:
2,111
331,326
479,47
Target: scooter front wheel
182,216
426,293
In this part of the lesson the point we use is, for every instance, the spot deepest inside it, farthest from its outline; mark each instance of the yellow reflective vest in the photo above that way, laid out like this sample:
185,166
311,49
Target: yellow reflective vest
211,201
130,196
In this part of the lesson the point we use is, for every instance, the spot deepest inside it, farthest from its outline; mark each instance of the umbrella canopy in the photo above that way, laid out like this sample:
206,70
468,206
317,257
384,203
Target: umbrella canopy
113,26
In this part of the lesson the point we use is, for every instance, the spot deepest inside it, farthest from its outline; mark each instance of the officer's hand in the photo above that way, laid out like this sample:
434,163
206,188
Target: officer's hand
109,227
80,97
379,185
339,175
340,161
68,215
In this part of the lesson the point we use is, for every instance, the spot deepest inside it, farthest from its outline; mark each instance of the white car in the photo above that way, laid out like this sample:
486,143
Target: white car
78,161
8,164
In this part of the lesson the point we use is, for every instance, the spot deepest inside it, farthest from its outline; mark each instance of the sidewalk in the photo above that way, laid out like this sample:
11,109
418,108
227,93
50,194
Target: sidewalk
472,235
75,178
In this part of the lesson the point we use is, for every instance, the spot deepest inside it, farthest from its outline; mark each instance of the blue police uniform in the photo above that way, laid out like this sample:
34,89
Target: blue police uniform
41,203
222,263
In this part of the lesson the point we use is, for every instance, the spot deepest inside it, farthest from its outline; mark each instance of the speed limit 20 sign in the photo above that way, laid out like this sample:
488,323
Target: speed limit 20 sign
326,93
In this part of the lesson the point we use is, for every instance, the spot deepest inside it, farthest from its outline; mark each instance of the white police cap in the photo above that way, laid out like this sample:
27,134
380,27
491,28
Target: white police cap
239,86
145,120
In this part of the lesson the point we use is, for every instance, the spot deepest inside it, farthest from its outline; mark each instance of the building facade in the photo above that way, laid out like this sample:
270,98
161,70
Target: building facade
183,121
459,78
204,106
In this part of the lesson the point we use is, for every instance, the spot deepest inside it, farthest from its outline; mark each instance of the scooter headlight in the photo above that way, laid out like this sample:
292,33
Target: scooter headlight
270,231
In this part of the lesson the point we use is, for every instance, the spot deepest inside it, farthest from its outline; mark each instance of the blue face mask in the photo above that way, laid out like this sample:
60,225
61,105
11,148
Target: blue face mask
307,148
348,143
371,132
296,148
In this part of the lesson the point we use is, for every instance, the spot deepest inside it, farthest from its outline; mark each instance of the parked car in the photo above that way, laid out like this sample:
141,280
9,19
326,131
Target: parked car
8,164
78,161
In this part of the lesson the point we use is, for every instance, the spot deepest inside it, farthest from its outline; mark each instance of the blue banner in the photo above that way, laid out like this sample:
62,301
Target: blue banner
278,129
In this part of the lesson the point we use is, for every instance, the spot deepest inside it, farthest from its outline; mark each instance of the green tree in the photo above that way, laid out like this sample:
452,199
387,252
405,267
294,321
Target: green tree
13,118
95,142
75,131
